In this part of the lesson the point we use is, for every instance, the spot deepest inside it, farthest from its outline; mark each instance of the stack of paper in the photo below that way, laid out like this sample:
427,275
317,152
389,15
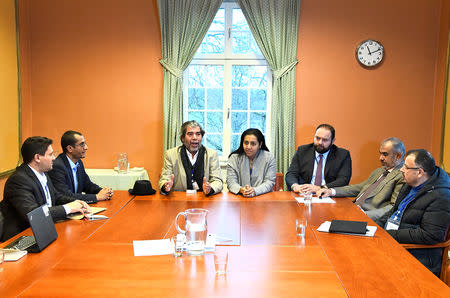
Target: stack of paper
301,200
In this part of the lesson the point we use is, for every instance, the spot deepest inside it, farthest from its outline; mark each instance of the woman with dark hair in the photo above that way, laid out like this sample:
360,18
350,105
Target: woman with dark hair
251,169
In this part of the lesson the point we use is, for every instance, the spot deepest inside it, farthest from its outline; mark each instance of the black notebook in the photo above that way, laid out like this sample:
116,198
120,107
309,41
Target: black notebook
348,226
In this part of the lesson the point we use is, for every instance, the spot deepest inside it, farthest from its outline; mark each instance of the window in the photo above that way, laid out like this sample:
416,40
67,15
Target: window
227,86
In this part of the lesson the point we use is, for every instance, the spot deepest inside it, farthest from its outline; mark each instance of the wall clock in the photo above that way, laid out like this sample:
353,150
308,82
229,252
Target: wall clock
370,53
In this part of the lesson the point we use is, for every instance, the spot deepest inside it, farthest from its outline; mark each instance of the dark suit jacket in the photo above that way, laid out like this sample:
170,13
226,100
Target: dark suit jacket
62,179
338,168
24,193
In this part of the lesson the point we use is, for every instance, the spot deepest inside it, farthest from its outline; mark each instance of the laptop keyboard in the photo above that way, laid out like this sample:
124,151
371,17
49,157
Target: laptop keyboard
22,243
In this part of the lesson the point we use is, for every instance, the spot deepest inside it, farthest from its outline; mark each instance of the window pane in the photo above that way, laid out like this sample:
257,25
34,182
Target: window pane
241,43
235,141
242,38
214,122
197,116
196,75
214,141
258,76
214,75
213,43
258,99
258,120
215,99
238,122
240,76
218,24
239,99
239,21
196,100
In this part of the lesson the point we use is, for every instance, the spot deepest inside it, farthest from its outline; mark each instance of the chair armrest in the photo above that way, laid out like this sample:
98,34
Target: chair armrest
416,246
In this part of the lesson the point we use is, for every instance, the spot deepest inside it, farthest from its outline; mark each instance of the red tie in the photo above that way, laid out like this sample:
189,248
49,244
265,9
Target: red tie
318,179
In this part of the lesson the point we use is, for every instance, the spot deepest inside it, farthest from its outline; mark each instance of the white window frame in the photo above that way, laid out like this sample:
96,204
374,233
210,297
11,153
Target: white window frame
228,60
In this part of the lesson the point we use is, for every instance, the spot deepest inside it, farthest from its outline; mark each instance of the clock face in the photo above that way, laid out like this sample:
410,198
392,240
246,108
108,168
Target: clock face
369,53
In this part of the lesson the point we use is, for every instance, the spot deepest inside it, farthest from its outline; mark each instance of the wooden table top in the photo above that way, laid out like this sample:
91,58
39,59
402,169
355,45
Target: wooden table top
266,258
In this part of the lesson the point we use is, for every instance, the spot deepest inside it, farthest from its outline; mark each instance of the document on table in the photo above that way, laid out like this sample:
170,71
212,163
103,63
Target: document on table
12,255
325,227
152,247
94,210
301,200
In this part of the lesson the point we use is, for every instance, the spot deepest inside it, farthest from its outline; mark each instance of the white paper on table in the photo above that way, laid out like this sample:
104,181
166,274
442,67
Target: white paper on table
12,255
325,227
301,200
152,247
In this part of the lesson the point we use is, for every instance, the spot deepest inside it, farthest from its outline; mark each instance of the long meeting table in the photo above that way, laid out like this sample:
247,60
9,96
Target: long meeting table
266,258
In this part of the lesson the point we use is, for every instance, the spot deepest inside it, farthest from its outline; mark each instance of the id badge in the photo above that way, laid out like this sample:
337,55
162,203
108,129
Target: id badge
195,185
392,224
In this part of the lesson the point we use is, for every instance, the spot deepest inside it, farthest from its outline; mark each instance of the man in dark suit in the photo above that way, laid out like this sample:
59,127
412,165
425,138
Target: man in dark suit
30,187
69,176
319,164
378,193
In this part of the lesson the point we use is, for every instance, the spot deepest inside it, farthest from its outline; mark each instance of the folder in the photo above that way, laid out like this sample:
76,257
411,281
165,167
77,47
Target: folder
348,227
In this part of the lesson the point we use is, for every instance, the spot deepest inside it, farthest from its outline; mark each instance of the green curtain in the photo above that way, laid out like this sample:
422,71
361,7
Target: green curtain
274,24
184,24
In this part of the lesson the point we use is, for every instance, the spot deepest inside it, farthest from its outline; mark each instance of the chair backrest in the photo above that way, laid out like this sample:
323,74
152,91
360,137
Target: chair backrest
1,225
444,263
279,181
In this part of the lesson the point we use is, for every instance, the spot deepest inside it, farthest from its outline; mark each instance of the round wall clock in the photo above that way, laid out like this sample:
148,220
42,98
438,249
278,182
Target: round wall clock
369,53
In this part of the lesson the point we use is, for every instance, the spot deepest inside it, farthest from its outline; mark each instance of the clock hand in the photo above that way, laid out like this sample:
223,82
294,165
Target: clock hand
368,50
376,51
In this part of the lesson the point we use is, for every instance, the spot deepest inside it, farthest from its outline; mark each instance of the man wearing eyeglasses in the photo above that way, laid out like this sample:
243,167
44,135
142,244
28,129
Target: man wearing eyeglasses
29,187
69,176
421,213
378,193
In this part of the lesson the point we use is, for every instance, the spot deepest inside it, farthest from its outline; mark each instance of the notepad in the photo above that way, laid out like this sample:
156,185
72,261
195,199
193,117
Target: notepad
79,216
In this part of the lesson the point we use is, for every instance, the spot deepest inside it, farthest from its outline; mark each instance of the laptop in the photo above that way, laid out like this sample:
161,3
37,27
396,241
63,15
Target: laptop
44,231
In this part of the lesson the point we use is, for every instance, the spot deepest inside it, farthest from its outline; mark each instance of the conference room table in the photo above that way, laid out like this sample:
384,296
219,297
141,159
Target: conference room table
266,258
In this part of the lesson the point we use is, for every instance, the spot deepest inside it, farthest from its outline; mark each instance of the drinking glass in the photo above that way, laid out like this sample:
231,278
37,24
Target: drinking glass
177,245
300,227
220,261
307,198
122,162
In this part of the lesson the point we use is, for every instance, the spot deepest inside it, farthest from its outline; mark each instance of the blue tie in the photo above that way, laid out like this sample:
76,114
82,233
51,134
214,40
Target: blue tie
75,179
47,196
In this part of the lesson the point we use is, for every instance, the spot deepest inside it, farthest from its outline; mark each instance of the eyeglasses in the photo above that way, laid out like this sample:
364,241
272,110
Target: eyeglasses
410,168
83,144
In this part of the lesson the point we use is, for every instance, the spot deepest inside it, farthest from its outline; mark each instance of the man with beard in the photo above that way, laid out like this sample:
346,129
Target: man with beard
69,176
421,213
191,166
319,164
29,187
378,193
